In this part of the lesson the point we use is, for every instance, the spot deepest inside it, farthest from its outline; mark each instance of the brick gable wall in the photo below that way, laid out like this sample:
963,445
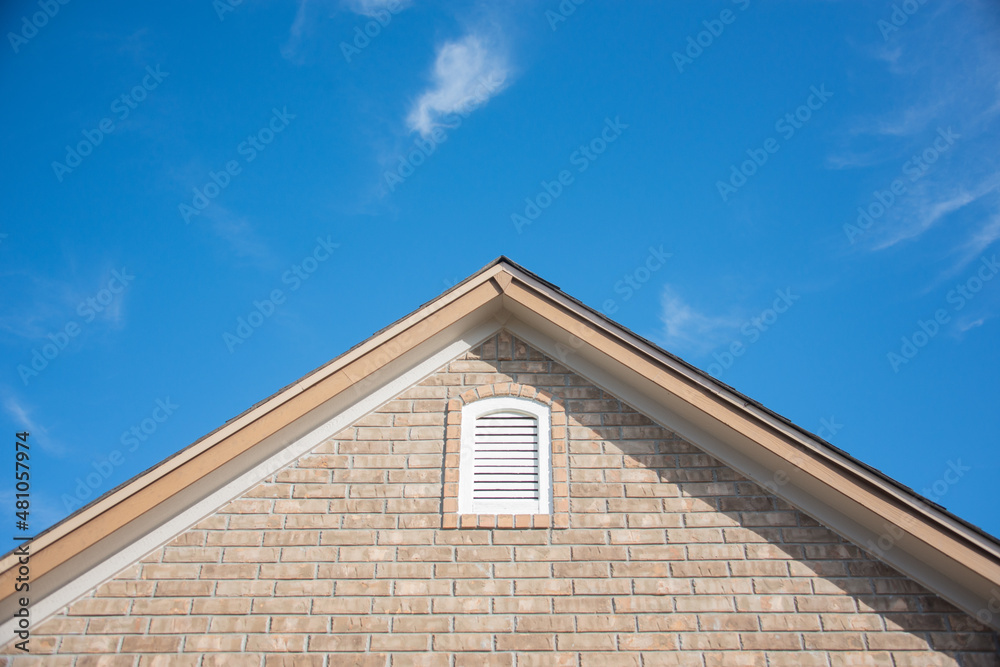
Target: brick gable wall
670,558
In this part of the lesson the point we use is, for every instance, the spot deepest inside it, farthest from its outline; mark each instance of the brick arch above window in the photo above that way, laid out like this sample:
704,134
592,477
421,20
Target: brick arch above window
559,516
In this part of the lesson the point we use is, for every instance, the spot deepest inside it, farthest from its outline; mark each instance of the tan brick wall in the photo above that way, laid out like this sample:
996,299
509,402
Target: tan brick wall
670,559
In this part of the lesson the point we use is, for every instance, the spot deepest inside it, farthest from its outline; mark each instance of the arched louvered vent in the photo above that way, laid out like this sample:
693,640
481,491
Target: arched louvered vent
506,457
505,464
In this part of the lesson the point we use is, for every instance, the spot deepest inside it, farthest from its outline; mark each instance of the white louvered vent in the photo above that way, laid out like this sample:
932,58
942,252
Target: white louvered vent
506,457
505,462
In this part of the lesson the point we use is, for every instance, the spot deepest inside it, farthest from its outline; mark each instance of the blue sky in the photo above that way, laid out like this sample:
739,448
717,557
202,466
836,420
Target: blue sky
801,198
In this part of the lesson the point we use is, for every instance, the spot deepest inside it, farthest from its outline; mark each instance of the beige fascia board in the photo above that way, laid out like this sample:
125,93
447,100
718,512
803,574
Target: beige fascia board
695,387
104,560
964,555
98,520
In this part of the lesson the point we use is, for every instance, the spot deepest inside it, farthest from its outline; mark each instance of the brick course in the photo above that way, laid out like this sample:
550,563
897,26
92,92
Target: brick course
669,558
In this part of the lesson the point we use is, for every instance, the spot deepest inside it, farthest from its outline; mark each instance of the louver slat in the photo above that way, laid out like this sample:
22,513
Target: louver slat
506,458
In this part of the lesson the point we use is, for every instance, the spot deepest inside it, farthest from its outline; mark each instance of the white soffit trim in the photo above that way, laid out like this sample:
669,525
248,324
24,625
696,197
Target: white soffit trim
112,558
908,555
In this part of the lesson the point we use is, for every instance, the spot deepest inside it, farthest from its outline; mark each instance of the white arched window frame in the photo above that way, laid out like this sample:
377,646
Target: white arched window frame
492,456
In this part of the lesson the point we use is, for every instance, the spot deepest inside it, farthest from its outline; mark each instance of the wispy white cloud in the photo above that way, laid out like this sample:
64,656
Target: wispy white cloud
929,86
137,44
993,109
685,328
978,242
906,122
978,322
291,48
375,7
935,204
305,17
240,235
889,54
44,303
41,305
857,159
21,416
466,74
